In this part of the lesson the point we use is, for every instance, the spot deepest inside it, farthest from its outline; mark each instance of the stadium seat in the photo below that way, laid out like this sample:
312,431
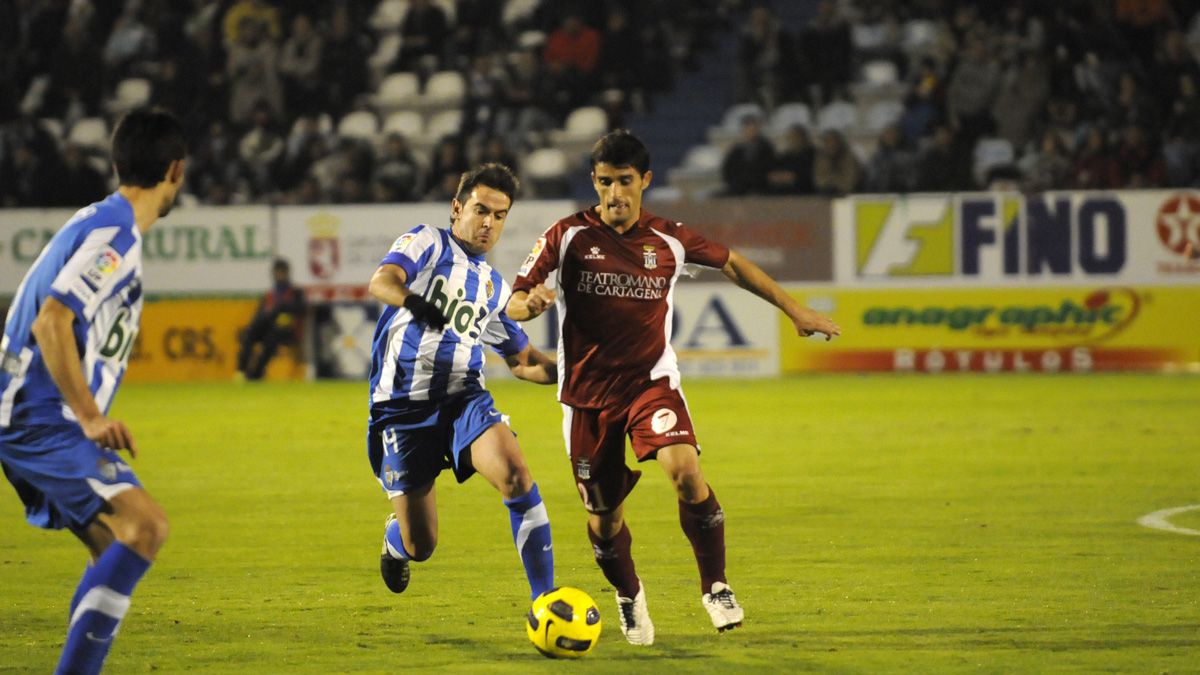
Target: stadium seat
838,115
385,54
388,16
727,132
546,171
883,113
699,174
582,128
89,133
361,125
407,123
919,36
54,127
531,39
444,123
880,73
991,152
788,115
664,193
130,93
397,91
516,11
445,89
868,36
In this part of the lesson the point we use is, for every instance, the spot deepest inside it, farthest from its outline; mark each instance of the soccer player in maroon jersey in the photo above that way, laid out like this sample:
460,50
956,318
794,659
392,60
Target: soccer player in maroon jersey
615,266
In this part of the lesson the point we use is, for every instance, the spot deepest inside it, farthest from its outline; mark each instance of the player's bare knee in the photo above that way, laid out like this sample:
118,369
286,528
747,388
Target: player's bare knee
517,481
690,485
145,533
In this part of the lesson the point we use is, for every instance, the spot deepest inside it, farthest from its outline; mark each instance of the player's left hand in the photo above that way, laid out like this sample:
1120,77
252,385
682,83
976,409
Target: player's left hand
811,325
109,433
1191,252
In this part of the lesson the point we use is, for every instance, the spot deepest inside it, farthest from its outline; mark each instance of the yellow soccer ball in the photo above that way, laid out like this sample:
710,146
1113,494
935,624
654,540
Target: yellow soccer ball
564,623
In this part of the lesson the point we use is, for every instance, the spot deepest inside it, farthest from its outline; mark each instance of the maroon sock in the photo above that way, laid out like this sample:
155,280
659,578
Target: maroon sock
704,525
615,560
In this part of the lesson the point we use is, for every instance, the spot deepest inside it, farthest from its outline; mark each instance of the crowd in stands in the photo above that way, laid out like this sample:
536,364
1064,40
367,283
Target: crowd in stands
264,86
1019,95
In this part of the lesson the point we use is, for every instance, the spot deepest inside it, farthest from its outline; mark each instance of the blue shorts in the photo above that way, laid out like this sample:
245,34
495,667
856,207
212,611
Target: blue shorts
63,478
410,444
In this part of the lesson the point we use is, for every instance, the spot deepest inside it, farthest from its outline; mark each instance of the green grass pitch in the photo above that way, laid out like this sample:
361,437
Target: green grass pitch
875,524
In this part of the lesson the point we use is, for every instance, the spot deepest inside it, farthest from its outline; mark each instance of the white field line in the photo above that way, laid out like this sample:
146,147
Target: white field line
1159,520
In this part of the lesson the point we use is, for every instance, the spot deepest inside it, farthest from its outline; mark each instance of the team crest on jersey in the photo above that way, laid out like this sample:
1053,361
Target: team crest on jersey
403,242
649,257
583,469
491,289
106,263
533,256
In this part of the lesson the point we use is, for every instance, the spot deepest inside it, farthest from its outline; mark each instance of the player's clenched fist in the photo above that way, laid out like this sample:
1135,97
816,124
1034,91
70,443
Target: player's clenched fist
422,310
539,300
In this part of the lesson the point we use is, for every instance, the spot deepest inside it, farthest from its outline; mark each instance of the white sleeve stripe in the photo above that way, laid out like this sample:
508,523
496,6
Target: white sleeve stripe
85,255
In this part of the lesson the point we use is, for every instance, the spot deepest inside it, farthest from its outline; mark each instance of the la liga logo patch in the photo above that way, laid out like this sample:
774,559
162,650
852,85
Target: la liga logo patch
107,262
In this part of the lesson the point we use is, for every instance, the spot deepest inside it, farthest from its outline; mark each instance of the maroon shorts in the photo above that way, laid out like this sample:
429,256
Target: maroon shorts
656,418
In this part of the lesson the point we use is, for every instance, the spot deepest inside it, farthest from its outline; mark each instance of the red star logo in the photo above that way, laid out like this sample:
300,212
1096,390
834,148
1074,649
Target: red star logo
1179,222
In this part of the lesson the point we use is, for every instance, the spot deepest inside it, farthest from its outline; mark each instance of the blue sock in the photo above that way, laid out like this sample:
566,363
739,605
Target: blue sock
531,532
100,604
395,543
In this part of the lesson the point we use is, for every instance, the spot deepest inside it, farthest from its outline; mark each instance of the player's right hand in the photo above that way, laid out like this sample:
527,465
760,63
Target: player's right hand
423,311
109,433
539,299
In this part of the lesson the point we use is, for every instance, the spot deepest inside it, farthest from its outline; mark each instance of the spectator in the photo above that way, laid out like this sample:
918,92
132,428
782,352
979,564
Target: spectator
1023,92
423,33
483,97
300,66
261,149
79,182
1095,167
496,151
526,100
836,170
944,165
260,12
78,73
478,26
343,63
747,163
253,70
1139,161
449,161
828,51
971,92
622,56
571,54
1182,149
1047,168
277,321
793,170
766,60
892,167
398,170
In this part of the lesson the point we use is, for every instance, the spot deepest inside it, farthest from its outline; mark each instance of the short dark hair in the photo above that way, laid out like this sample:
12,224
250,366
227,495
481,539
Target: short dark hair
621,148
144,144
281,264
492,174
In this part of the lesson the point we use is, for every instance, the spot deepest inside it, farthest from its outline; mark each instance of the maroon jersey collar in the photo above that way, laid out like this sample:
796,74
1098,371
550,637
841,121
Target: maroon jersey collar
590,215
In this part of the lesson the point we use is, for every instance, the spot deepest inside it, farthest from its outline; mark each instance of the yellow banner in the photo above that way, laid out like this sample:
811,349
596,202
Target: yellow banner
189,340
1009,329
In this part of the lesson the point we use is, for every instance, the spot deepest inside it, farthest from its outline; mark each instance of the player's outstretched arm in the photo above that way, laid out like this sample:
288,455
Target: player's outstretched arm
751,277
526,305
54,331
388,285
533,366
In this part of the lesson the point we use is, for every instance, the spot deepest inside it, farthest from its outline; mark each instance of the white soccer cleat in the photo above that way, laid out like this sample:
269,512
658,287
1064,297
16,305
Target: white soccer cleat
723,608
635,618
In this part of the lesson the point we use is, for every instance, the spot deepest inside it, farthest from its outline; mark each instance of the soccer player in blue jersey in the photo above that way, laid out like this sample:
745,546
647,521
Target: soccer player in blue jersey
66,344
429,409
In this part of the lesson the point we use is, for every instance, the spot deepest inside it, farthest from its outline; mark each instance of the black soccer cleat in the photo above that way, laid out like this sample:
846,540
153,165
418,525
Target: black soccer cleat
393,569
394,572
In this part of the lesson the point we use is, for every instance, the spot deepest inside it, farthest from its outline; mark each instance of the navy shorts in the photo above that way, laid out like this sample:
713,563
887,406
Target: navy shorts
409,445
63,478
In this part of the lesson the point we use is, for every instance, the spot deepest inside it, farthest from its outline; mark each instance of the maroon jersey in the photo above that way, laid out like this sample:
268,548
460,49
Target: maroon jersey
615,301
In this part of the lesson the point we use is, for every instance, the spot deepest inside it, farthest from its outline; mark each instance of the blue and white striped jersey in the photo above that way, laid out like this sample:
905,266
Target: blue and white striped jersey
411,361
94,266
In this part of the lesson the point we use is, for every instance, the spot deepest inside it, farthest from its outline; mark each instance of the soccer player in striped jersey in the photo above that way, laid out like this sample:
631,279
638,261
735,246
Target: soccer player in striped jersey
66,344
429,408
615,266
